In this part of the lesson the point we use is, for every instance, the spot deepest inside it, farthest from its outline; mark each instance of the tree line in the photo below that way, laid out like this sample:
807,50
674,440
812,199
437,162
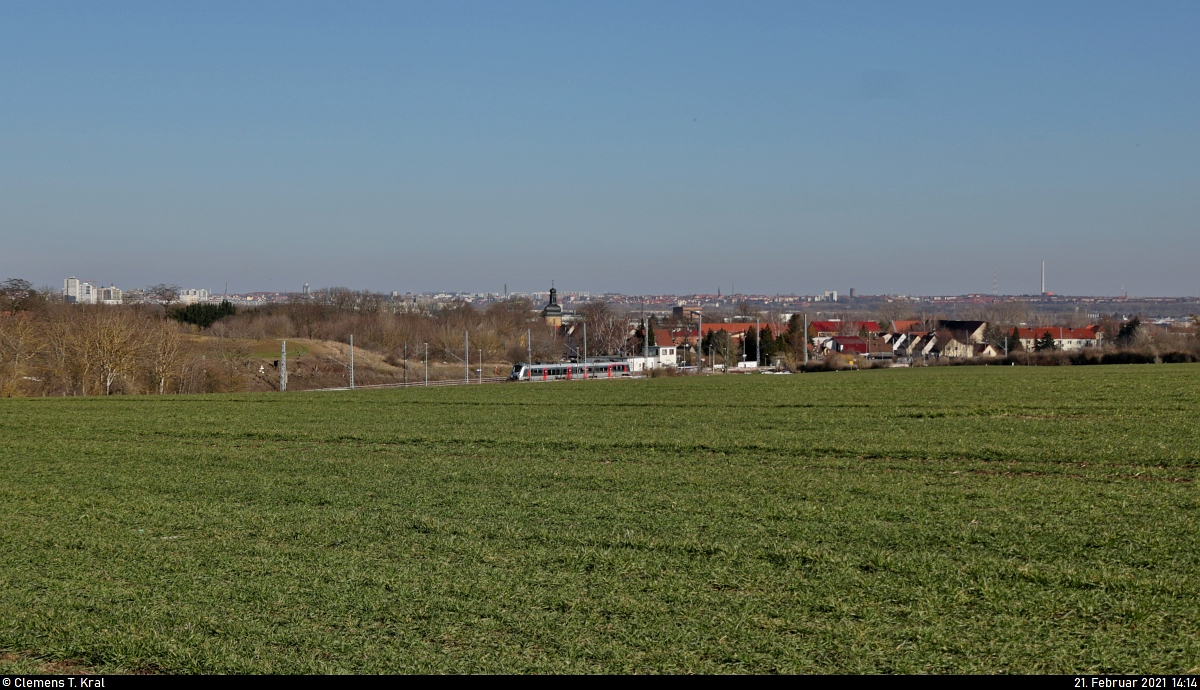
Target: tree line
51,348
158,346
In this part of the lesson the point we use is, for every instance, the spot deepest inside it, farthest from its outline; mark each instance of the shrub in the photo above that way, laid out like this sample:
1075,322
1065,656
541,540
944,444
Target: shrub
202,315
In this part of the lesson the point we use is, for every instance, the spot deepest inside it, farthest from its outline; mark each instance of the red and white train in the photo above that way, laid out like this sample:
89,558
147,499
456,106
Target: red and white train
569,370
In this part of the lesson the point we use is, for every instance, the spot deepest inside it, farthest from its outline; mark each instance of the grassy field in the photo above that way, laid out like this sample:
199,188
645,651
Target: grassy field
927,520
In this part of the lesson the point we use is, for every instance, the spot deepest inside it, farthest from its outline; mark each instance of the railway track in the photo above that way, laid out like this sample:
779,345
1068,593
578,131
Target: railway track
418,384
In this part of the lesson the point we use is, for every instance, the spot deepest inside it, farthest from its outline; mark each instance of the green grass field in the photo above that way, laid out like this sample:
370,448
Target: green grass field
928,520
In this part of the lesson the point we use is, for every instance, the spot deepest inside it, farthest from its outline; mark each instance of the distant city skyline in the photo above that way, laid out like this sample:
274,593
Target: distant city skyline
641,148
72,284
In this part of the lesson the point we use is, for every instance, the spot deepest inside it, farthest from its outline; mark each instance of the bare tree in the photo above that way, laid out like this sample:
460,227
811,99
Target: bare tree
18,295
108,345
19,343
449,340
607,331
164,352
848,324
166,294
895,310
747,311
59,364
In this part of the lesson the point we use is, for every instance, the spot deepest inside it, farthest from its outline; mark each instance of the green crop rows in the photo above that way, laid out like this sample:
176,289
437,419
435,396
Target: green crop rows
939,520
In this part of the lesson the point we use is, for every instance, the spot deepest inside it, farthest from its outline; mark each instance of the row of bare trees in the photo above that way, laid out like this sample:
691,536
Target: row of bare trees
51,348
504,331
66,350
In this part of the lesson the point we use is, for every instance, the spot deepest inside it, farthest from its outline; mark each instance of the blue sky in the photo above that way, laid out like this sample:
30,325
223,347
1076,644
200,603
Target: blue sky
634,147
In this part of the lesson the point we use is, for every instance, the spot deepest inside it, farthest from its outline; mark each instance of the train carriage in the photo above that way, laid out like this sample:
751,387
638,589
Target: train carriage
569,370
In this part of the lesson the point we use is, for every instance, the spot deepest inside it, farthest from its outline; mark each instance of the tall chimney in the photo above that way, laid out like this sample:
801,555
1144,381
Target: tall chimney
1043,276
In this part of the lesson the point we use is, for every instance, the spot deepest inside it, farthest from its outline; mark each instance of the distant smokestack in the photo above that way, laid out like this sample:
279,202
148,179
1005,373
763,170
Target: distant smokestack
1043,276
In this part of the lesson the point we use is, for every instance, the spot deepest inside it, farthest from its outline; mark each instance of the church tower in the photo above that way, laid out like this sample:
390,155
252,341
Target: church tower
553,311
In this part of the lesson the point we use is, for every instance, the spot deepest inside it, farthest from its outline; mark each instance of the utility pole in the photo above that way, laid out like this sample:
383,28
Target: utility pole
645,339
585,350
757,344
405,364
529,349
699,338
351,361
426,364
283,367
467,355
805,335
481,367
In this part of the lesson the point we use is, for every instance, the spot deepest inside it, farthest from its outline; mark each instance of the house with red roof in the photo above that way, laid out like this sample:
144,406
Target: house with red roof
735,330
675,336
834,327
846,344
1066,339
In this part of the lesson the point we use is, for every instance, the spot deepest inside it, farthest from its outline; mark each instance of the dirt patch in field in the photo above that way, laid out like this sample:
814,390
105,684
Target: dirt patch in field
14,663
30,664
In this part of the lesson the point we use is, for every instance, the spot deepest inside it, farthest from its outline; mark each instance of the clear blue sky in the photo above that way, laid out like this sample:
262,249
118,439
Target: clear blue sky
632,147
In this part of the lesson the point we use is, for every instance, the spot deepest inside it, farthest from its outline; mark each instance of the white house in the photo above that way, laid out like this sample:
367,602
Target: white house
663,356
1066,339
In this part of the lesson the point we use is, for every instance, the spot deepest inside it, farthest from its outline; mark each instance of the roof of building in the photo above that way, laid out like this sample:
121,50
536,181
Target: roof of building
831,326
1057,332
853,343
553,308
905,325
961,326
730,327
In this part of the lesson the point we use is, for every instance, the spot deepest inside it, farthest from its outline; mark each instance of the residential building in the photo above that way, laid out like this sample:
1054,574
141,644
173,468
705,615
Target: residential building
685,311
737,331
77,291
846,344
110,295
987,350
953,348
193,296
836,327
659,357
685,337
915,344
1066,339
964,331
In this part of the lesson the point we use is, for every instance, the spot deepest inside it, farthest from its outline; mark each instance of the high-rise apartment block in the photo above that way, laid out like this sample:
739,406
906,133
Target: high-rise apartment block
193,296
110,295
77,291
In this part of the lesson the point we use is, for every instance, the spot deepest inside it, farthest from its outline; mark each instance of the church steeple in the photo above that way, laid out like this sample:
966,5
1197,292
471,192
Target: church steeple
553,311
